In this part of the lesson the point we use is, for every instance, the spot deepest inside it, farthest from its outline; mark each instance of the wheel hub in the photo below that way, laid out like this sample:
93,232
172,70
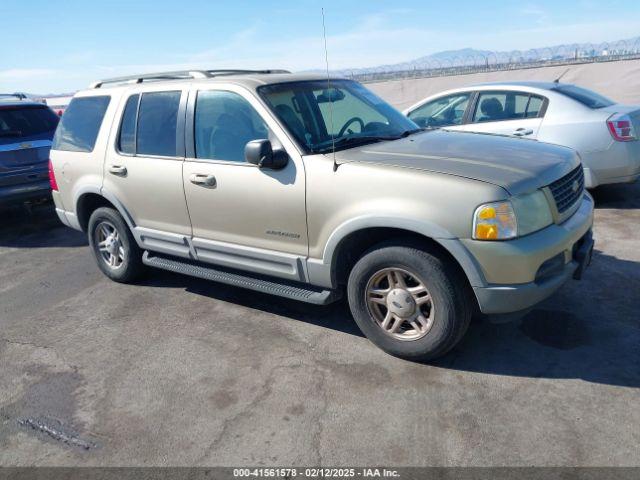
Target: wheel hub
401,303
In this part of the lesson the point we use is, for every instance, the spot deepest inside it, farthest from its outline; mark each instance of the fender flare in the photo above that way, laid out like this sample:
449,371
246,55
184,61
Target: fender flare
320,271
93,189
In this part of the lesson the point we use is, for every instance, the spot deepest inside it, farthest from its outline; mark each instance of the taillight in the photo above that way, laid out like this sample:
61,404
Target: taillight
52,178
621,128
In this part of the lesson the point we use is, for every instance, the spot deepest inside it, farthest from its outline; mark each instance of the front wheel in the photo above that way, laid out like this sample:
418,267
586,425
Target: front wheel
113,245
410,302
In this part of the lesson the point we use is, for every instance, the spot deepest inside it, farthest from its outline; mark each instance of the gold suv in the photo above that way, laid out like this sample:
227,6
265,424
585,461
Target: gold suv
306,187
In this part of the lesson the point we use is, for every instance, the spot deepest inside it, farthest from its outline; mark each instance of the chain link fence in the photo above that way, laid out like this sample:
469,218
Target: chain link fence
499,61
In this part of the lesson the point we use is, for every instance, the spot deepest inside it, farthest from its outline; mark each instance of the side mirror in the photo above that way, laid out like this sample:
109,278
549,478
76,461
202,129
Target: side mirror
261,153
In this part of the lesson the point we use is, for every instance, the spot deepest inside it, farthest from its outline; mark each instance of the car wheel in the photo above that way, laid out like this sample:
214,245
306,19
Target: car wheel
113,245
408,301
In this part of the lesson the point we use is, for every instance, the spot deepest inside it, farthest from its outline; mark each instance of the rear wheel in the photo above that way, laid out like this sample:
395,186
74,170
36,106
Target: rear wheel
410,302
113,245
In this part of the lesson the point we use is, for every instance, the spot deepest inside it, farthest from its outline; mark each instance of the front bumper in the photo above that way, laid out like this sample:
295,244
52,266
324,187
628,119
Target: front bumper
545,260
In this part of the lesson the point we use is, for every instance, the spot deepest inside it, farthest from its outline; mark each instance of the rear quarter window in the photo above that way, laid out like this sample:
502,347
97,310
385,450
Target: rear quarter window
80,124
586,97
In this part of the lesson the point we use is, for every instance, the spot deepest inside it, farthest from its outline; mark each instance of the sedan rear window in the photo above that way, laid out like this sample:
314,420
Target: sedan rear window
26,121
80,124
586,97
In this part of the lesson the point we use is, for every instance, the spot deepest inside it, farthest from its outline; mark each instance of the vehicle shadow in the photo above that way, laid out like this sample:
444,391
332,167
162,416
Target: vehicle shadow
36,227
621,196
588,331
335,316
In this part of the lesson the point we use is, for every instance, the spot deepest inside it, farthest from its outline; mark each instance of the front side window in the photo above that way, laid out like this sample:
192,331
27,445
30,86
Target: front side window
80,124
224,123
442,112
501,106
321,114
157,124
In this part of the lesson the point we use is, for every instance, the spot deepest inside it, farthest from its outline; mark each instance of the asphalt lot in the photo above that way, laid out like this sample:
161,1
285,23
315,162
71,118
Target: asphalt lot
179,371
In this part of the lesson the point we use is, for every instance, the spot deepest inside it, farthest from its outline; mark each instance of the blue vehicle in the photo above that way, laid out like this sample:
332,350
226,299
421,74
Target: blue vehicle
26,130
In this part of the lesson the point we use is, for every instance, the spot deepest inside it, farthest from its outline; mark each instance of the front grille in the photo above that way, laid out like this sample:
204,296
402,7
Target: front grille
568,190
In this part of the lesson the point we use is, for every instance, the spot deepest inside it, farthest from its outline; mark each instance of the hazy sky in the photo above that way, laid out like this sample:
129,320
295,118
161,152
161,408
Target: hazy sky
58,46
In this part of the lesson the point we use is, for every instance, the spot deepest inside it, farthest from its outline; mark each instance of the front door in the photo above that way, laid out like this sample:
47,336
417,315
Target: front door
242,216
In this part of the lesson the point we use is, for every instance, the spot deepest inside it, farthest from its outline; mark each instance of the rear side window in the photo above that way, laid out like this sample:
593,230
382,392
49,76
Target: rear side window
26,121
586,97
127,136
501,106
157,124
80,124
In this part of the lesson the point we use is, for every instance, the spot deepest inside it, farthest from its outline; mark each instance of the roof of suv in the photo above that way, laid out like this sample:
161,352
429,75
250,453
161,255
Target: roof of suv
17,99
247,78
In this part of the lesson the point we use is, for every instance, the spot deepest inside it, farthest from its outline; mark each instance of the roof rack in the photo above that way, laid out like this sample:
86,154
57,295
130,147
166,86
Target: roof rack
180,75
20,96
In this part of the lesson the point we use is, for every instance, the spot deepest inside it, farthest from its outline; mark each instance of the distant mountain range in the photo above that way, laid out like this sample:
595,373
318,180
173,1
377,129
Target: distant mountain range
472,56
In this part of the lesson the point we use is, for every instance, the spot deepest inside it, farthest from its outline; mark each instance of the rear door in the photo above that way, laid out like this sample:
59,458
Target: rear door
506,112
143,168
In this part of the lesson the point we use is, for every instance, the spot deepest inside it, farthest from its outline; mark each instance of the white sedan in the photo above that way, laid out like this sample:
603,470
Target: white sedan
604,133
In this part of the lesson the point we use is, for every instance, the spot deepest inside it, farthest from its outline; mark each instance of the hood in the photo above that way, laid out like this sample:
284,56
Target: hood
517,165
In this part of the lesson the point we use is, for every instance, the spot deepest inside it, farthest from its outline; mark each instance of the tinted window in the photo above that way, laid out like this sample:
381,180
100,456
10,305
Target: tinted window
441,112
224,123
26,121
497,106
127,136
584,96
80,124
157,123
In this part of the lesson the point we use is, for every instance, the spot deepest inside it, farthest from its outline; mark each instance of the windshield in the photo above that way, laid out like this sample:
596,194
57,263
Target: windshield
26,121
586,97
346,114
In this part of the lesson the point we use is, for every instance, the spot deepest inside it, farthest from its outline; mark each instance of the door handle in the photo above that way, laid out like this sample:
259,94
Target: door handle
521,132
203,180
118,170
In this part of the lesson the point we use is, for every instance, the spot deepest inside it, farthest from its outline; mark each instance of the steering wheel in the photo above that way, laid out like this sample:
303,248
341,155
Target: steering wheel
349,122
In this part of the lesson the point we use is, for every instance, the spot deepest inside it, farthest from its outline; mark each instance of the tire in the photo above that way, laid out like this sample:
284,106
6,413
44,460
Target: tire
128,266
442,318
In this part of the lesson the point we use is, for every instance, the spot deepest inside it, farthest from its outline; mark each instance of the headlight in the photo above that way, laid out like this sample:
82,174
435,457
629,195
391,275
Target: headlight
495,221
532,211
521,215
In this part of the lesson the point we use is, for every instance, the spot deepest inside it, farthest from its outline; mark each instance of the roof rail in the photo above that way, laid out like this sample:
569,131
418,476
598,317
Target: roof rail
180,75
20,96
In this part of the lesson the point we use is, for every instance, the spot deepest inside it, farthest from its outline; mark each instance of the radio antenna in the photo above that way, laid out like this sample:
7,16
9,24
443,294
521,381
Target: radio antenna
326,61
557,80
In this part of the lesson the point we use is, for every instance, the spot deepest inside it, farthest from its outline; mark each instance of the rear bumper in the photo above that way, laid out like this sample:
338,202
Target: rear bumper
14,194
620,163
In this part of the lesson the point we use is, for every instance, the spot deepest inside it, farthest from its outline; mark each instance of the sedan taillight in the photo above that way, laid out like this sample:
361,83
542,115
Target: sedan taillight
52,178
621,128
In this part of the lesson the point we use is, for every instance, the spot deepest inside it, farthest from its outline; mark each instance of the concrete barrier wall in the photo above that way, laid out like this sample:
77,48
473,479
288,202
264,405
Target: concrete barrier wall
619,81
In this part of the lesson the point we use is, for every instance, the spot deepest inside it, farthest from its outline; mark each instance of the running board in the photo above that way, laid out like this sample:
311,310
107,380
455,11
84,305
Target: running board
283,288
